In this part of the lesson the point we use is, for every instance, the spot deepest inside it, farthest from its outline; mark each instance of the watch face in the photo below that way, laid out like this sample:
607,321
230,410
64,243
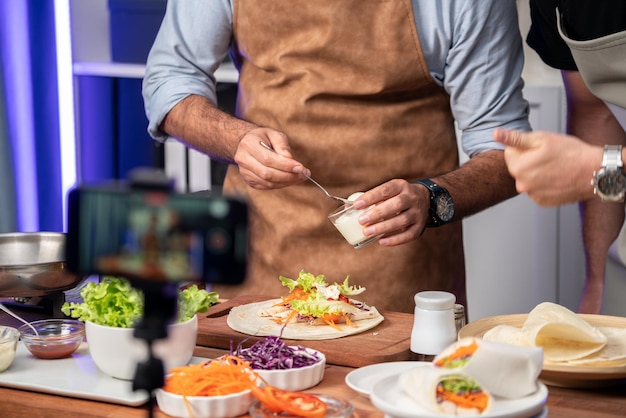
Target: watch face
445,207
612,183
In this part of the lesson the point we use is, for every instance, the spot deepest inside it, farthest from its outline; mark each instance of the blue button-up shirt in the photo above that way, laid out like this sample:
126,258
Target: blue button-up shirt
473,49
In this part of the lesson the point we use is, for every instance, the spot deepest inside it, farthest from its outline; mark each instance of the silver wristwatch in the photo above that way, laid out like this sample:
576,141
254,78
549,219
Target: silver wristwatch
609,183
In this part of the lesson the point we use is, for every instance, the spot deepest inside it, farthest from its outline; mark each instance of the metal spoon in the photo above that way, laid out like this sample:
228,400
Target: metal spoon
341,199
14,315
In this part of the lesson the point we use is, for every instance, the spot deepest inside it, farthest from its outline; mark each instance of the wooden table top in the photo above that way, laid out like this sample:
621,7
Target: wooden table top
562,402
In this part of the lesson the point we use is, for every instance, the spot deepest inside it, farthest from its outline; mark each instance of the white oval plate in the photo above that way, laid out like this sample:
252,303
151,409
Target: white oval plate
542,414
387,396
363,379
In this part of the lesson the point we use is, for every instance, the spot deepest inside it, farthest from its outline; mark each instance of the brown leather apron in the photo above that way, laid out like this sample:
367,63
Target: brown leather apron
347,82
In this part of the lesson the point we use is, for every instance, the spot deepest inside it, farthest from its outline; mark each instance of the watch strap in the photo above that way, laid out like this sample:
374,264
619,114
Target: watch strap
612,157
434,190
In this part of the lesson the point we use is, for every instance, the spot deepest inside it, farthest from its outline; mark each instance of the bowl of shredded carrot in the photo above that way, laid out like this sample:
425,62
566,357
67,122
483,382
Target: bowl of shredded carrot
211,389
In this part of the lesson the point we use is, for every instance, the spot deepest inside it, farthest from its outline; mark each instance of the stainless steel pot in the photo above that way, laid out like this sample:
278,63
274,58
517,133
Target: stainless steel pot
33,264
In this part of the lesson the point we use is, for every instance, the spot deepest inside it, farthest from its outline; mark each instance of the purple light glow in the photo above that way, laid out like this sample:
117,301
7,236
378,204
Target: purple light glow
15,50
65,80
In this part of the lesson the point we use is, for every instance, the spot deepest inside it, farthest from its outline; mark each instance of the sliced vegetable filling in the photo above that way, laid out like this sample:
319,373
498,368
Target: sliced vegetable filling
463,392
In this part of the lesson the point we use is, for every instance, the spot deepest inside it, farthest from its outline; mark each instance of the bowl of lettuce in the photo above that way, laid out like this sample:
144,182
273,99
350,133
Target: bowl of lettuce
112,307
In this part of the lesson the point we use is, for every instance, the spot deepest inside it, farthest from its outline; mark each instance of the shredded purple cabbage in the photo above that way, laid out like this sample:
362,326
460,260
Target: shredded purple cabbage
273,354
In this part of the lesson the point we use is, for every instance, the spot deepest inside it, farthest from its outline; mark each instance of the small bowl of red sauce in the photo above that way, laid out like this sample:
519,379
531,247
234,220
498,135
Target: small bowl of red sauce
53,338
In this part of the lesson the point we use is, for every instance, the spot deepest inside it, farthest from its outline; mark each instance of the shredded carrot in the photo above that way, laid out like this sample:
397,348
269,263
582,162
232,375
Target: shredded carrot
333,324
223,376
230,374
468,400
461,352
297,293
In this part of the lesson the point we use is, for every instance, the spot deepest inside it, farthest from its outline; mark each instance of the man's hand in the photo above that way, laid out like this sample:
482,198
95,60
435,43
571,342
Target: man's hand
400,213
553,169
262,168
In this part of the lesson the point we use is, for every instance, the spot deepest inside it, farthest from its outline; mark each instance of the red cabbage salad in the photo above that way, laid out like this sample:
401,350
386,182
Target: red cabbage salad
273,354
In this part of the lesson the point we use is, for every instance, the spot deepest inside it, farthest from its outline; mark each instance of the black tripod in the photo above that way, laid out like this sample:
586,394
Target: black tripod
160,308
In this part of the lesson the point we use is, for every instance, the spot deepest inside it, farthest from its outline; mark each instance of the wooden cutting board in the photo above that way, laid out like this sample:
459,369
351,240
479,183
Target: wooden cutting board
389,341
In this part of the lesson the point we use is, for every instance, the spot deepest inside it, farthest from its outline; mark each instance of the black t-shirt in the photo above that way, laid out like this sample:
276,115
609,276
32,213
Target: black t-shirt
582,20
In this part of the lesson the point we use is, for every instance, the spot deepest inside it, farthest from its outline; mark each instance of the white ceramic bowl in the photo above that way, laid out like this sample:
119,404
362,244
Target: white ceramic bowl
116,351
300,378
226,406
8,344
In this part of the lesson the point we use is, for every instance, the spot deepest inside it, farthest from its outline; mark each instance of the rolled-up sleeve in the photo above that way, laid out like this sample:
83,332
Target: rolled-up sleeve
191,44
482,73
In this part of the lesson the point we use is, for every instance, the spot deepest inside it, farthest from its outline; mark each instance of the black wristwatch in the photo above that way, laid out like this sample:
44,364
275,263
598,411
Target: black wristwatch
609,182
441,208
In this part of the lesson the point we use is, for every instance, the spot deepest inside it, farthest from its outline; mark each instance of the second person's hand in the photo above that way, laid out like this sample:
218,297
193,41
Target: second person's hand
552,168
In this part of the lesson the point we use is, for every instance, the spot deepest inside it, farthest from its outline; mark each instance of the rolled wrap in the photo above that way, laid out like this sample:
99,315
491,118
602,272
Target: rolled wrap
505,370
422,383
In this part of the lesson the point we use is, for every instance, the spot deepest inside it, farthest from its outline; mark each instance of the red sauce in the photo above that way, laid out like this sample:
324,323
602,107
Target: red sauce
54,350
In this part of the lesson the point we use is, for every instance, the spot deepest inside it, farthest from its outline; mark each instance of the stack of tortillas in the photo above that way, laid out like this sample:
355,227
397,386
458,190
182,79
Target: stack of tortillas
565,337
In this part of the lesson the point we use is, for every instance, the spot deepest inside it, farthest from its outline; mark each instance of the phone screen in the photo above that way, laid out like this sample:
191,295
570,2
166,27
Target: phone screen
155,235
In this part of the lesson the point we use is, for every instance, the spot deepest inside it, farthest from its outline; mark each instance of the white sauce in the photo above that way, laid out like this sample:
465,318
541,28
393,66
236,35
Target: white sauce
330,292
7,354
349,226
355,196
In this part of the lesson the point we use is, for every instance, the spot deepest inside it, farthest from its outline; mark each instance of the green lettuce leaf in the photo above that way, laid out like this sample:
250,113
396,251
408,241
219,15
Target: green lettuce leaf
309,282
193,300
305,281
114,302
317,307
348,290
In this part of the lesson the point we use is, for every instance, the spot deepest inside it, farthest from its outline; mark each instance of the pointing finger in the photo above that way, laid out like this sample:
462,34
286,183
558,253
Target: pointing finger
516,139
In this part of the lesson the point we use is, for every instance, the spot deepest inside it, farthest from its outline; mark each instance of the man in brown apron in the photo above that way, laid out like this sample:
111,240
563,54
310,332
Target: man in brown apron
587,41
311,88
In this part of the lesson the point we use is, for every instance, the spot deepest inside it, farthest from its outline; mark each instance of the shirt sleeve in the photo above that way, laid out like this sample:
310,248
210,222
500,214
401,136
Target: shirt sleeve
482,72
191,44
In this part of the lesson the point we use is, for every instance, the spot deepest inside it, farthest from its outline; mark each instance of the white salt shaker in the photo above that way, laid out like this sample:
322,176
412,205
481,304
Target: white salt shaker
434,325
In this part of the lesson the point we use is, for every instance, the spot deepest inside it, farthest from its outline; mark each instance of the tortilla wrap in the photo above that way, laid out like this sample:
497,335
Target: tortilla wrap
504,370
612,354
421,383
562,334
247,319
507,334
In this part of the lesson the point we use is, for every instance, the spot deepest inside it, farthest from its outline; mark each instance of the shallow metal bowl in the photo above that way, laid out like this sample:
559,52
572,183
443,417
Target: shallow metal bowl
33,264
